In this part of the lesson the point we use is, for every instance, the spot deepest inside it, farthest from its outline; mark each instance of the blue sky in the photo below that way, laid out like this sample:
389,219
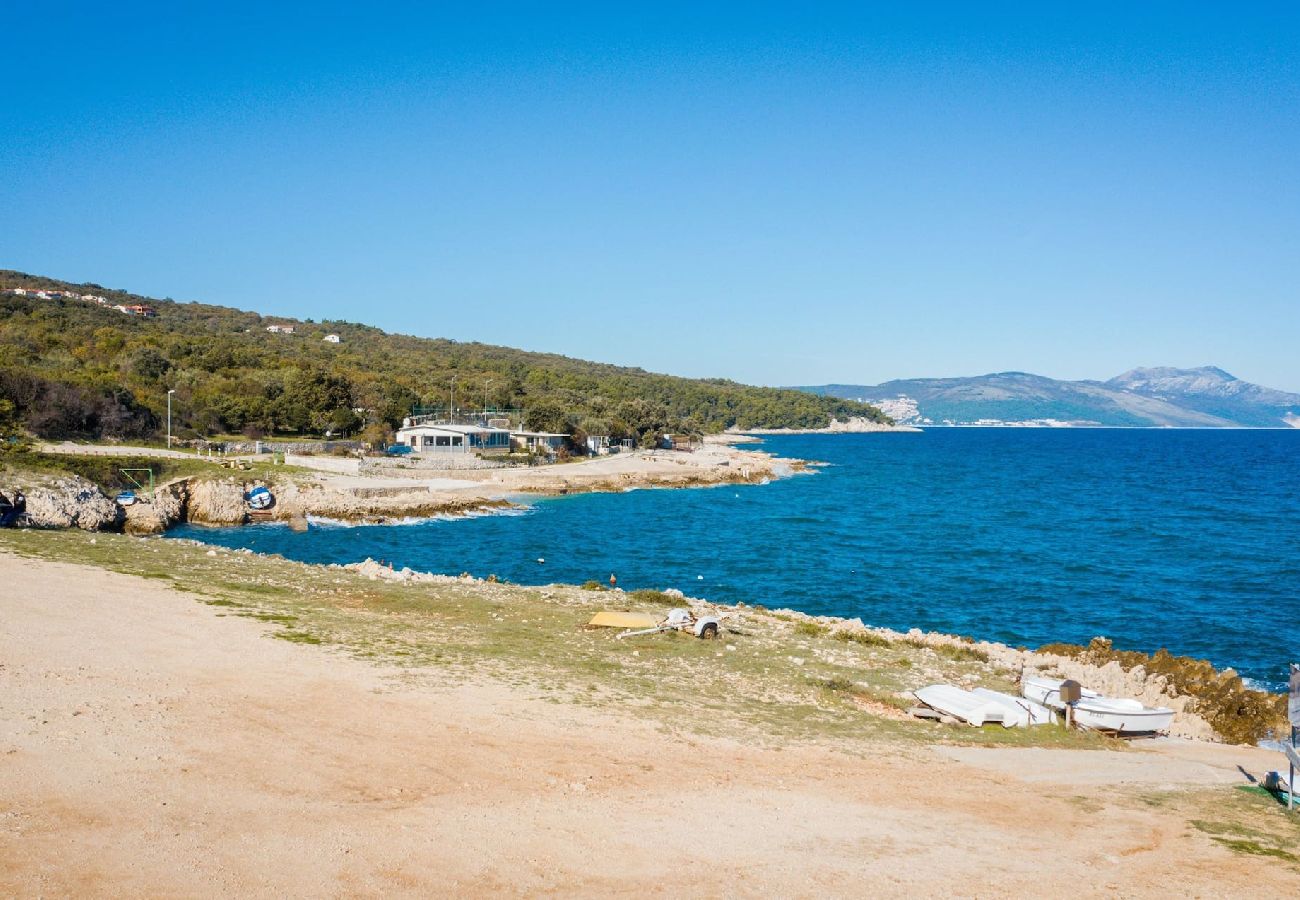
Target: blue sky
776,195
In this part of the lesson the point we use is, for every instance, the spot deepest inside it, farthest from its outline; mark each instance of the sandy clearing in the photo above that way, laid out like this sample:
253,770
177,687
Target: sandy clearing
149,745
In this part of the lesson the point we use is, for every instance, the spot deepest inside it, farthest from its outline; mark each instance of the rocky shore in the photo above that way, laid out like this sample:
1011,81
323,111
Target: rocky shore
220,499
1197,712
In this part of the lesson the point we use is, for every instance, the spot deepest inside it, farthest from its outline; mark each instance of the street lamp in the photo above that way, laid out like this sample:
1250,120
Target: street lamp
451,411
486,384
169,418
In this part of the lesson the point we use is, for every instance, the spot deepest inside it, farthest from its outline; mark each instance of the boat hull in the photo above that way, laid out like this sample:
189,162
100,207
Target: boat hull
1118,716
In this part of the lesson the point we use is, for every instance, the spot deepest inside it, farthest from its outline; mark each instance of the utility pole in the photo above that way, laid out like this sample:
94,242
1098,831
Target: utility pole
451,410
169,418
485,393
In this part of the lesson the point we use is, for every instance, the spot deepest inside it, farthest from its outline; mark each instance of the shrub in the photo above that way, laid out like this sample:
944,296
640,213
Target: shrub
866,638
811,629
657,597
593,586
1237,713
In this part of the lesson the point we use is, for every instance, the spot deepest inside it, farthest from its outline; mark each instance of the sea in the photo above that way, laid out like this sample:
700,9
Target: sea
1187,540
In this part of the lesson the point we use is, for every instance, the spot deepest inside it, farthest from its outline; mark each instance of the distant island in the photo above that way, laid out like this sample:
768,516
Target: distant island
1205,397
82,361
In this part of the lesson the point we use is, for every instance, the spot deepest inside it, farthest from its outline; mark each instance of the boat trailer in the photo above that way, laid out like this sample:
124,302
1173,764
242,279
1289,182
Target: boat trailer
707,627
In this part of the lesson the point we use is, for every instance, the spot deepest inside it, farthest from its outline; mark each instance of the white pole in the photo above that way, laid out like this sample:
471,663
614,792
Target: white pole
169,418
486,384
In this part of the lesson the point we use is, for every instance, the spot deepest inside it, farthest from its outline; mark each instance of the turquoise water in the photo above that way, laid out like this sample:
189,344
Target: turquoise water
1181,539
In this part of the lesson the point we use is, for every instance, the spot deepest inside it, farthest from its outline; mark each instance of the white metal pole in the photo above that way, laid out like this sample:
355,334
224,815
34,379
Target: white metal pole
169,418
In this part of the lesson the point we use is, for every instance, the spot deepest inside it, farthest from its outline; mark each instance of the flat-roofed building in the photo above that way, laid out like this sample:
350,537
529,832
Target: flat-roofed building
439,438
538,441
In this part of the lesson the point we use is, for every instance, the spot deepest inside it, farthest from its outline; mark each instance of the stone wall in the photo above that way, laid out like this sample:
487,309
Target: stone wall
428,466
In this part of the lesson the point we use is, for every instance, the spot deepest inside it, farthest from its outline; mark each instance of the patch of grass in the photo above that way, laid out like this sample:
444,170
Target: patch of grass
963,653
865,638
811,629
297,637
1245,840
1254,848
277,618
660,598
593,586
843,685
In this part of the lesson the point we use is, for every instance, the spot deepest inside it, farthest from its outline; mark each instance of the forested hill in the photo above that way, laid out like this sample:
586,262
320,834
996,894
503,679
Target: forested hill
73,367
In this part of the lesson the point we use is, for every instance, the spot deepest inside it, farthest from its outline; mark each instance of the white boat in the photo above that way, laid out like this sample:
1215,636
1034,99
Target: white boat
1047,691
1021,712
964,705
1121,716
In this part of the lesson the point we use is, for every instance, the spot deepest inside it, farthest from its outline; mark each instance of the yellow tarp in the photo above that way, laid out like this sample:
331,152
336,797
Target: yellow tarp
622,620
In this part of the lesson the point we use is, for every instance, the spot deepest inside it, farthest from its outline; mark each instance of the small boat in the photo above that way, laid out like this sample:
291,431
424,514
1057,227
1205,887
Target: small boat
1122,716
1117,715
260,498
964,705
126,498
1047,691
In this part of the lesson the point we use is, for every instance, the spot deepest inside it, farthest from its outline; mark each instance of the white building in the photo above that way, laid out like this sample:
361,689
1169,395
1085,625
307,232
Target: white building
280,329
538,441
437,438
332,339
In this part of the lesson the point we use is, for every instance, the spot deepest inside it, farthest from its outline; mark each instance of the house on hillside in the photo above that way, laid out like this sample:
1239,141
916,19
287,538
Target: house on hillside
280,329
440,438
332,339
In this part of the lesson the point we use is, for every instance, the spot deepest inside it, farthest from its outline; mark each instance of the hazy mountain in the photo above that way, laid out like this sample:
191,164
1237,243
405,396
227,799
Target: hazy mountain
1206,397
1213,391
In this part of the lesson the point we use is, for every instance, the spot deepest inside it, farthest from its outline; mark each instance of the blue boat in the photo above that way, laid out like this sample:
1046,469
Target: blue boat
260,498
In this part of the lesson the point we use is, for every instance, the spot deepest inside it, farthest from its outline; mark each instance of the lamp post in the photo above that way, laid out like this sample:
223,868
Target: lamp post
485,392
451,410
169,417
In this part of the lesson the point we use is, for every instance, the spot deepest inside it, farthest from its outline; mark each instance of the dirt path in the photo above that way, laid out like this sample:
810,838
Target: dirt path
151,746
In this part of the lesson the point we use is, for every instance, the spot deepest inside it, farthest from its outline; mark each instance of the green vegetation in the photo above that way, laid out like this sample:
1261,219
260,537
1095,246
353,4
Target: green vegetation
74,369
1250,821
757,682
106,471
811,629
1237,713
659,598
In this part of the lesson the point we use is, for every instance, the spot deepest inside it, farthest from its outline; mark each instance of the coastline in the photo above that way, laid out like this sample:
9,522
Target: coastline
179,705
851,426
218,497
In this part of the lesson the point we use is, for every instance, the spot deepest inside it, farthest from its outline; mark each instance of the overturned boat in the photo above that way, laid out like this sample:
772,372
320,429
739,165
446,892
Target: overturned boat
260,498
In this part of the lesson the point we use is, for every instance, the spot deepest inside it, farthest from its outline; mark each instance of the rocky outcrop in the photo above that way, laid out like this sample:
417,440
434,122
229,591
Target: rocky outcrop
217,502
73,503
169,507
